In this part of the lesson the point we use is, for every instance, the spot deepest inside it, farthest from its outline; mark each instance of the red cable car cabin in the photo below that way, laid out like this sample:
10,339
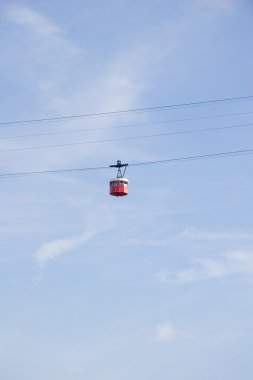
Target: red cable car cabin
119,187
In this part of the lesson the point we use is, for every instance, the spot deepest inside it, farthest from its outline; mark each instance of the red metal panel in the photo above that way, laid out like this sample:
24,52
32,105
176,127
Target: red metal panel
119,190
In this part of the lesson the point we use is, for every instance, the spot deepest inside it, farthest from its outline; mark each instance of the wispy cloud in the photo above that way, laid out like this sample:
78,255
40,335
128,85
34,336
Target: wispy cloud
67,76
32,21
97,220
52,249
196,234
167,332
232,263
156,239
45,52
64,79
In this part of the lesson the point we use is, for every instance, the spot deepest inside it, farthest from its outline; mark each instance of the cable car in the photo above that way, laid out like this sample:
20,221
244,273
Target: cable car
119,185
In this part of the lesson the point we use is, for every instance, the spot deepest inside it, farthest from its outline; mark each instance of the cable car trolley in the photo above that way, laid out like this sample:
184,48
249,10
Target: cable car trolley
119,185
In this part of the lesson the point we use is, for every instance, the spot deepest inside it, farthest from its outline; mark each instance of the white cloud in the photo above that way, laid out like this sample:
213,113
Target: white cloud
32,20
166,332
156,240
70,77
241,262
52,249
96,219
44,49
195,234
232,263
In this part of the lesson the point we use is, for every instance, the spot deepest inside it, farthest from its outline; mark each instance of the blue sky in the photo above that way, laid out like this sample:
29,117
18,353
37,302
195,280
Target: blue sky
157,284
